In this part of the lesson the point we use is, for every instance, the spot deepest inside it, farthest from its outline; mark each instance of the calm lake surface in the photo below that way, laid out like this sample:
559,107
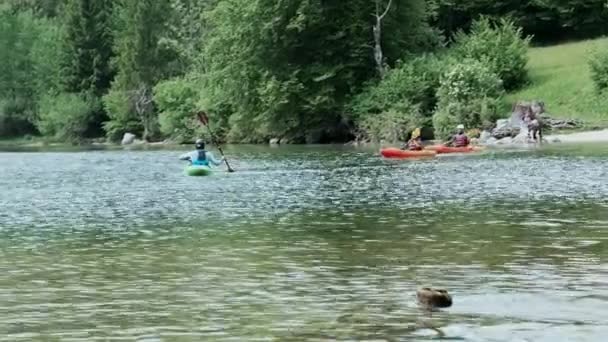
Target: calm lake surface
304,244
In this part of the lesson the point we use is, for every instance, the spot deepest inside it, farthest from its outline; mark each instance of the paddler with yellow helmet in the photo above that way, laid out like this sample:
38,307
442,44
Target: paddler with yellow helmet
415,143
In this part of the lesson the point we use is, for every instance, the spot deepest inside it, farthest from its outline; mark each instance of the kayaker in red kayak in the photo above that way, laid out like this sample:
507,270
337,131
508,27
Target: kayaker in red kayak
460,139
415,143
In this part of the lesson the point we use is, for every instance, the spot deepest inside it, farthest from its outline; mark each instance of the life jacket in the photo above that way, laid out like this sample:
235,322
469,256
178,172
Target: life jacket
461,140
414,145
201,160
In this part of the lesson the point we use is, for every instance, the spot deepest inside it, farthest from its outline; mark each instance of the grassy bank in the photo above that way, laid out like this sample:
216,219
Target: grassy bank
560,76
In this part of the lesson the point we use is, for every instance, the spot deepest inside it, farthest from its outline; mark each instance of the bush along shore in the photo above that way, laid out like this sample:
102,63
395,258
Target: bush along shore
294,72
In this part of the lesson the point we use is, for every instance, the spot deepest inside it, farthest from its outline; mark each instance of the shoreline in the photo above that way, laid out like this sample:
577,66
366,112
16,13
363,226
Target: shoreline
580,137
588,136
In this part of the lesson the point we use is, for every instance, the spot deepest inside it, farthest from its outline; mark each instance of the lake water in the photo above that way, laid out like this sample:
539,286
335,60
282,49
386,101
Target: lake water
304,244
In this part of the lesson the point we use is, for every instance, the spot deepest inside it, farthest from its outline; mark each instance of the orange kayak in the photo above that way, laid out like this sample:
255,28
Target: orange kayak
442,149
403,154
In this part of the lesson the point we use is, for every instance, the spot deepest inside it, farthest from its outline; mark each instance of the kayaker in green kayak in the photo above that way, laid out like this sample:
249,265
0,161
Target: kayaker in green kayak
460,139
201,157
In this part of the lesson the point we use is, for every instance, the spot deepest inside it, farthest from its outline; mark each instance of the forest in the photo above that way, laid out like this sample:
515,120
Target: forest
303,71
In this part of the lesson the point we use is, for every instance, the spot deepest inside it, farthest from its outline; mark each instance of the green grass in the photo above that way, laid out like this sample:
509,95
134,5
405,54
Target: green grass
560,76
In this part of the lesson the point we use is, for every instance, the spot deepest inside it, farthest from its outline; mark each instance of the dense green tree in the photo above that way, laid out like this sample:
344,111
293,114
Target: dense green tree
45,8
287,68
142,60
88,46
547,20
17,35
305,70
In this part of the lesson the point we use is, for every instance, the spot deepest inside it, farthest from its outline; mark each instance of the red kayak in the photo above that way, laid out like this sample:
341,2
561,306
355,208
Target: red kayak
403,154
442,149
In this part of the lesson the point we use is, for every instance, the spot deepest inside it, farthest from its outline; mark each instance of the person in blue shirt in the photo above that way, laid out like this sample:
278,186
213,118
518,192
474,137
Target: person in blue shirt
201,157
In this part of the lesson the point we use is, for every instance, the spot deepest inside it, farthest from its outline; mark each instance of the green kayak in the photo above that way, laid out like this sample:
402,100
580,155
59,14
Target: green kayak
198,170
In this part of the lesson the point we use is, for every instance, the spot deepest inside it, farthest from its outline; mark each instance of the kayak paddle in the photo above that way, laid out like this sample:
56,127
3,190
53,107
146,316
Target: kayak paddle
204,120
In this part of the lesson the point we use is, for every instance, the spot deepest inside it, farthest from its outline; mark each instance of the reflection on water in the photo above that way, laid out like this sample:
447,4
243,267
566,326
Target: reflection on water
303,244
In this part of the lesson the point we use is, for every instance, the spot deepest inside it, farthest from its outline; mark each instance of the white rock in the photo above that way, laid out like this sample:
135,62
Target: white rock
485,136
491,141
502,123
505,141
128,139
274,141
520,139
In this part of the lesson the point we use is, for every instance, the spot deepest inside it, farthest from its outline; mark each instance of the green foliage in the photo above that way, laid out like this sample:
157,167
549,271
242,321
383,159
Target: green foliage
302,70
142,60
293,67
46,55
15,116
415,81
177,101
87,47
119,107
561,77
469,94
65,116
392,125
598,63
501,46
546,20
25,48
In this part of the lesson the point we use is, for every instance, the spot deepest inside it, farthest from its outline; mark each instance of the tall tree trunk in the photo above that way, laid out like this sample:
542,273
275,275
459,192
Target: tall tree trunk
378,54
142,101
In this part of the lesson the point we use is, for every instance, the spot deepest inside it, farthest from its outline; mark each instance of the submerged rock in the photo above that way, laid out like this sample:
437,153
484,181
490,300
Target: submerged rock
554,140
434,298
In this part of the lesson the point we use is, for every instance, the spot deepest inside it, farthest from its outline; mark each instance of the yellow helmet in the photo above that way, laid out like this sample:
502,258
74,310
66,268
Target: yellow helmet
416,133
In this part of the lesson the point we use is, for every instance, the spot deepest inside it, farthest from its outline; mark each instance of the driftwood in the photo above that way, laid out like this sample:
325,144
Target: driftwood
143,103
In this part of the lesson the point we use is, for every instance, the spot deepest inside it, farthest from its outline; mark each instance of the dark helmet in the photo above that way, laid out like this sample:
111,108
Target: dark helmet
200,144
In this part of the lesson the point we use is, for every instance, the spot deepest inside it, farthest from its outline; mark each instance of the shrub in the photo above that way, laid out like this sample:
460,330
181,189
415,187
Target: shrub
598,63
15,116
122,118
415,82
500,45
469,94
474,133
393,124
65,116
176,101
466,81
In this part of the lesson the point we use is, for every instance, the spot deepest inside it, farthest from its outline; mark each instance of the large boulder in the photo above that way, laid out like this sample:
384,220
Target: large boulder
505,141
484,137
491,141
128,139
503,123
520,139
505,131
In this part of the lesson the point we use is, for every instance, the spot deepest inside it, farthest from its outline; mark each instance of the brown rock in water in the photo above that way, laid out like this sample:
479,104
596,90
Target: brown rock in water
434,298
